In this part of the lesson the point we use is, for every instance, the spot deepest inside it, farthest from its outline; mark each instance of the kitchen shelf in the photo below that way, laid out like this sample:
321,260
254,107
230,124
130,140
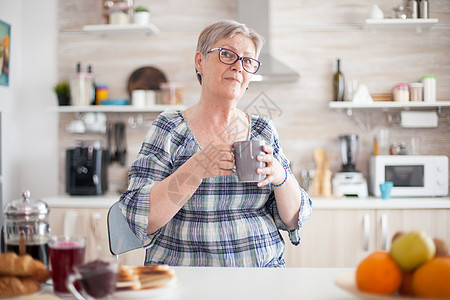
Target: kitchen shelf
125,28
117,108
417,24
388,105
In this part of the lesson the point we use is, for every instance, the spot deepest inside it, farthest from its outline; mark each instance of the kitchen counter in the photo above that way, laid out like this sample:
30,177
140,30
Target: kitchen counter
105,201
378,203
197,283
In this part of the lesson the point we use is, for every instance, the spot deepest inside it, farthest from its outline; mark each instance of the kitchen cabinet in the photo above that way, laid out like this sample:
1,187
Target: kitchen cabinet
77,221
343,237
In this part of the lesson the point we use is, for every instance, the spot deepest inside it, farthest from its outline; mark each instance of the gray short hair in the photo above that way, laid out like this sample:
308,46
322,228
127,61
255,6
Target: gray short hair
226,29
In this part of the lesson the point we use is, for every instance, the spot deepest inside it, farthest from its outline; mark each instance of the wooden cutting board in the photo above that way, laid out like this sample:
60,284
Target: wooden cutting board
145,78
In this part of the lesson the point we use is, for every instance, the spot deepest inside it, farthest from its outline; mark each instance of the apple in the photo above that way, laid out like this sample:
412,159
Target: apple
412,249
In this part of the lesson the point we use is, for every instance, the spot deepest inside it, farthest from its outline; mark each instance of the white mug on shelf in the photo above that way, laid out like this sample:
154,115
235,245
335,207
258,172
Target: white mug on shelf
138,98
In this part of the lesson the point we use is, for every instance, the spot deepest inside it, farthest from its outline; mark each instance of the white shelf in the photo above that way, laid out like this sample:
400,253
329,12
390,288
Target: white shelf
388,104
417,24
117,108
126,28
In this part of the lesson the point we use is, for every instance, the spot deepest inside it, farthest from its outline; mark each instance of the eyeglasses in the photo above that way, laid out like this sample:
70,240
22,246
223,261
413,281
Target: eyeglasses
230,57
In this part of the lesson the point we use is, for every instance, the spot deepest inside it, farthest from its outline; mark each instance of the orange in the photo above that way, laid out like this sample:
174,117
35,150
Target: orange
379,274
432,279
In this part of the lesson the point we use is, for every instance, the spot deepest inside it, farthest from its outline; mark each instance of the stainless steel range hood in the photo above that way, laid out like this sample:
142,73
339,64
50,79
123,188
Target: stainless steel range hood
255,14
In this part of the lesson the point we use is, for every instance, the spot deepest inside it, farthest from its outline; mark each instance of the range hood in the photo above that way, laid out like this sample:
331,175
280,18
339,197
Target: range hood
255,14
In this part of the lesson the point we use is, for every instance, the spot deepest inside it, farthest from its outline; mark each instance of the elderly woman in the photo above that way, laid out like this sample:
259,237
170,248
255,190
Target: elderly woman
183,201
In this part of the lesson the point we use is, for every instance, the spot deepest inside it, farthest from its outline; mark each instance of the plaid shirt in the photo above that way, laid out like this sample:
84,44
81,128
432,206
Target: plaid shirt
225,222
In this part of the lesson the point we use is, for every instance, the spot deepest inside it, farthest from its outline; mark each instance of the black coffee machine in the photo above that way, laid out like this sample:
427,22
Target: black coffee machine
86,169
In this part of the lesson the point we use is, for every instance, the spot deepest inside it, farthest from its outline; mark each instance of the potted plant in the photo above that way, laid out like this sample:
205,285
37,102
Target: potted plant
141,15
62,90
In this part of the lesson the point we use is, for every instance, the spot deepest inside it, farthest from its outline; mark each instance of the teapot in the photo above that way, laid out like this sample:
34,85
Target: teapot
26,228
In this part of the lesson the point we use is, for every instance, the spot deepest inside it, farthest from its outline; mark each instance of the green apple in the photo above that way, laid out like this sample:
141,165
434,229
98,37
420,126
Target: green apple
412,249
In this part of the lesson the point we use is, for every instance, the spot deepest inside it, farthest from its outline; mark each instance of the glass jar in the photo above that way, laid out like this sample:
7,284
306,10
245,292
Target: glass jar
401,92
26,228
119,14
171,93
416,91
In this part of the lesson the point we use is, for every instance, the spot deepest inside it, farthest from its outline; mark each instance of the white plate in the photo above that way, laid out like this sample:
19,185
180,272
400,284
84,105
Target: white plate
145,294
346,281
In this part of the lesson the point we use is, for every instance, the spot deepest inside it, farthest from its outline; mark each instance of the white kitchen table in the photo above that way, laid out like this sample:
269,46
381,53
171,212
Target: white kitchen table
215,283
257,283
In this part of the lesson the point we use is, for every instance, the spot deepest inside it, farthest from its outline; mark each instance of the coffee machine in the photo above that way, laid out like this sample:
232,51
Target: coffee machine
86,169
349,182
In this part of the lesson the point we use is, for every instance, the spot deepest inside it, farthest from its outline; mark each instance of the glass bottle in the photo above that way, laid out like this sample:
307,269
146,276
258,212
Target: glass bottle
338,83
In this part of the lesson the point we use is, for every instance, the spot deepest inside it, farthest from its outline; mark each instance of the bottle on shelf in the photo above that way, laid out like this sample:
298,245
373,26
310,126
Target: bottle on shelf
414,8
424,9
338,83
90,72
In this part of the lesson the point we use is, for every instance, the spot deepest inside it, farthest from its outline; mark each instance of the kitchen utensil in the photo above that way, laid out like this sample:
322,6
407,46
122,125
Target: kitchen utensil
146,78
26,228
121,143
321,185
65,253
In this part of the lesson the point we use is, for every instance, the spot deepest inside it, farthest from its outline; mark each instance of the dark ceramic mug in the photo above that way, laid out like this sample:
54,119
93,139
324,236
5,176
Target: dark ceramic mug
245,158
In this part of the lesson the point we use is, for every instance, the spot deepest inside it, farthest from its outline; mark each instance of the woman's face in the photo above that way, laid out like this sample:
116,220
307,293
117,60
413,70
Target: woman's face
226,81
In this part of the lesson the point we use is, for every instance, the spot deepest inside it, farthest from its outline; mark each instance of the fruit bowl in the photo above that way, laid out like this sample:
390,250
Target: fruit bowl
346,281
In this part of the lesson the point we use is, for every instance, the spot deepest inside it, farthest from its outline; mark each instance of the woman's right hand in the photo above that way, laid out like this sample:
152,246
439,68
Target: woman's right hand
216,159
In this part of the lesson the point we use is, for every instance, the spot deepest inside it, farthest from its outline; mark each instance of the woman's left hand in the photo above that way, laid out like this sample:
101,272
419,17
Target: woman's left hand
274,171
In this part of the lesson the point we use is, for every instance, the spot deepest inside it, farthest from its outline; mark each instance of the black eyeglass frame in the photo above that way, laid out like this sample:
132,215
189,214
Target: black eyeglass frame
241,58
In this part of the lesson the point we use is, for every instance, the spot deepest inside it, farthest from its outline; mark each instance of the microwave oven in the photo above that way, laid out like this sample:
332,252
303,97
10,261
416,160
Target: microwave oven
412,175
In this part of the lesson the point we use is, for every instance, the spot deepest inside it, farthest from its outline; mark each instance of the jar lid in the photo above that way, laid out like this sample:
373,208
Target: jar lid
401,85
429,76
26,209
416,84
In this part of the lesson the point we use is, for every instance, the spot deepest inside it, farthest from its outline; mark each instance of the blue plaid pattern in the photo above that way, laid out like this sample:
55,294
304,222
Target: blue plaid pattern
225,222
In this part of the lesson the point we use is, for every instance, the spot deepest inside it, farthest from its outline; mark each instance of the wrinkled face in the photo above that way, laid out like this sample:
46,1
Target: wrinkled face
226,81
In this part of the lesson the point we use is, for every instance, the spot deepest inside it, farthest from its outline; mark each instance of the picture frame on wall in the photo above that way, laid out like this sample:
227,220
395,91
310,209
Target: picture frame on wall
5,53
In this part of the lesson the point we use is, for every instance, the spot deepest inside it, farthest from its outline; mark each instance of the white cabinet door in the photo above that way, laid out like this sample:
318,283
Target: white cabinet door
435,222
343,237
333,238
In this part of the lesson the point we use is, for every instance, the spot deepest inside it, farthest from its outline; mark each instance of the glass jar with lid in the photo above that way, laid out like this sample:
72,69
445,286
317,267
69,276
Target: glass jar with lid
416,91
26,228
401,92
